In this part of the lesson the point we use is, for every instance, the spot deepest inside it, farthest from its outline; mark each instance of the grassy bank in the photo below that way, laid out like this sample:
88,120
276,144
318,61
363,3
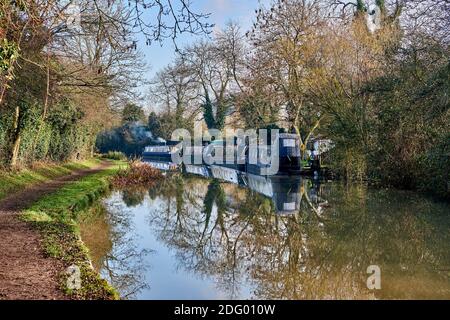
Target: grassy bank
14,181
56,216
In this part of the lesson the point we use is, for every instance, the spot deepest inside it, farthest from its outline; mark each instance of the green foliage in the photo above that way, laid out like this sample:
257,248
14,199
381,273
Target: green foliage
36,135
221,113
115,155
61,136
215,120
130,139
154,125
208,113
132,113
360,6
396,131
16,181
163,125
9,52
9,48
3,137
350,163
167,126
435,169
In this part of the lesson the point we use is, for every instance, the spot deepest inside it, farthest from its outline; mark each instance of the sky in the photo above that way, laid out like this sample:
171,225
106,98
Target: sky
222,11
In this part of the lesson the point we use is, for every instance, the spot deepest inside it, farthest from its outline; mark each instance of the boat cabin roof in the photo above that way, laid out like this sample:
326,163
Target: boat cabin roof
168,143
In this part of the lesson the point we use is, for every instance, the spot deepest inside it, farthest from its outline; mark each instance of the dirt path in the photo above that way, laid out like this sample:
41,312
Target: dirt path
25,273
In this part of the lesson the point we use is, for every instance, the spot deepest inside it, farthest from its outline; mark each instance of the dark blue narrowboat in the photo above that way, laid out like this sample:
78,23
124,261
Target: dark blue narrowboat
289,156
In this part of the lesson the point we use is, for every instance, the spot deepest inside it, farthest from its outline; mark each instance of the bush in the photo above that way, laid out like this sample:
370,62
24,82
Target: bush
61,136
130,138
115,155
435,174
349,163
137,174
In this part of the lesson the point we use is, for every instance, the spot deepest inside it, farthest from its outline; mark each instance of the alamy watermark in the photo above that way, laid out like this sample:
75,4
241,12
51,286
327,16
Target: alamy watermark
255,147
74,278
373,17
374,280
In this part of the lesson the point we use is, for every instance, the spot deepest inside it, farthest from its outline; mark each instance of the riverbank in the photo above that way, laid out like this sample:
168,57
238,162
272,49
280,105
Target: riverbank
39,234
15,181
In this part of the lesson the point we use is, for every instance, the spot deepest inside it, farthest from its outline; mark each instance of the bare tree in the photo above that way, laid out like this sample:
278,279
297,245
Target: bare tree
176,91
83,48
286,43
103,41
430,17
217,65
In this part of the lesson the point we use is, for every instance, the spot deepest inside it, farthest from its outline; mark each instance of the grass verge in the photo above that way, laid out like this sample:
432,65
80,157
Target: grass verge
14,181
56,216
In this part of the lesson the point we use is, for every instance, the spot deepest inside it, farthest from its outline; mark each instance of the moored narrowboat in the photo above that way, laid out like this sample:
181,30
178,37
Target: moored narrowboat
162,151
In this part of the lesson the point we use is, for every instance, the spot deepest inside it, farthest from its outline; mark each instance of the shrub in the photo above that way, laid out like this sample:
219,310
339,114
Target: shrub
435,174
59,137
137,174
115,155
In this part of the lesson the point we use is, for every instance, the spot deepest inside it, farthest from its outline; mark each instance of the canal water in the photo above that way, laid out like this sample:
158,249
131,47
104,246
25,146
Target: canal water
250,237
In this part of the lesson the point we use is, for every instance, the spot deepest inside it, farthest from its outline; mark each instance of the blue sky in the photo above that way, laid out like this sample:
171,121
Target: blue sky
222,11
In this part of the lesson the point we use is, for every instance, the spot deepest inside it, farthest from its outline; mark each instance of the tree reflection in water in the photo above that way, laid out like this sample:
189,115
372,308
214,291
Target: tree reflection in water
123,264
321,250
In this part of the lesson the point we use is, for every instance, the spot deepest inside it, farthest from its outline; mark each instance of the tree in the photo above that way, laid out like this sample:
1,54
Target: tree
381,91
154,124
286,40
82,51
212,122
105,29
217,65
132,113
175,90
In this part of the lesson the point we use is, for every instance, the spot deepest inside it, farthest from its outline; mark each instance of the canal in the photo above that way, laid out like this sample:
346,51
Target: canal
251,237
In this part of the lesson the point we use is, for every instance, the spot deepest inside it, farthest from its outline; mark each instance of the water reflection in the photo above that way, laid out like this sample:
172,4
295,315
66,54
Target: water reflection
265,238
114,245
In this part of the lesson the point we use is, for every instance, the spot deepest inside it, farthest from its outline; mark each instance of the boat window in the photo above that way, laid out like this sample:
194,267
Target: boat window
289,143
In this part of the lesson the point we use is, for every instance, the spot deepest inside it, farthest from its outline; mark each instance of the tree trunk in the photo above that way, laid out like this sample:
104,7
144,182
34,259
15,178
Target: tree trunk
92,150
15,141
2,93
15,152
304,143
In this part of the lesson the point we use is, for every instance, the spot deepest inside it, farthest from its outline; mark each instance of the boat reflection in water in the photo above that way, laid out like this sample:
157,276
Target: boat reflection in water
285,192
163,165
219,234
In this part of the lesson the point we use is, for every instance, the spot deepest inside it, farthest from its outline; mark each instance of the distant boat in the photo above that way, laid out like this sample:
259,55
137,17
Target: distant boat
162,151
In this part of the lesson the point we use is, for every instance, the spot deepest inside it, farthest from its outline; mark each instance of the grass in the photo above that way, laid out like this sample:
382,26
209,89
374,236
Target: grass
115,155
14,181
56,216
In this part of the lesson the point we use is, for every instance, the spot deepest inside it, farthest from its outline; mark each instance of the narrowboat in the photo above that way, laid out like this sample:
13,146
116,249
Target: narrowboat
162,151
